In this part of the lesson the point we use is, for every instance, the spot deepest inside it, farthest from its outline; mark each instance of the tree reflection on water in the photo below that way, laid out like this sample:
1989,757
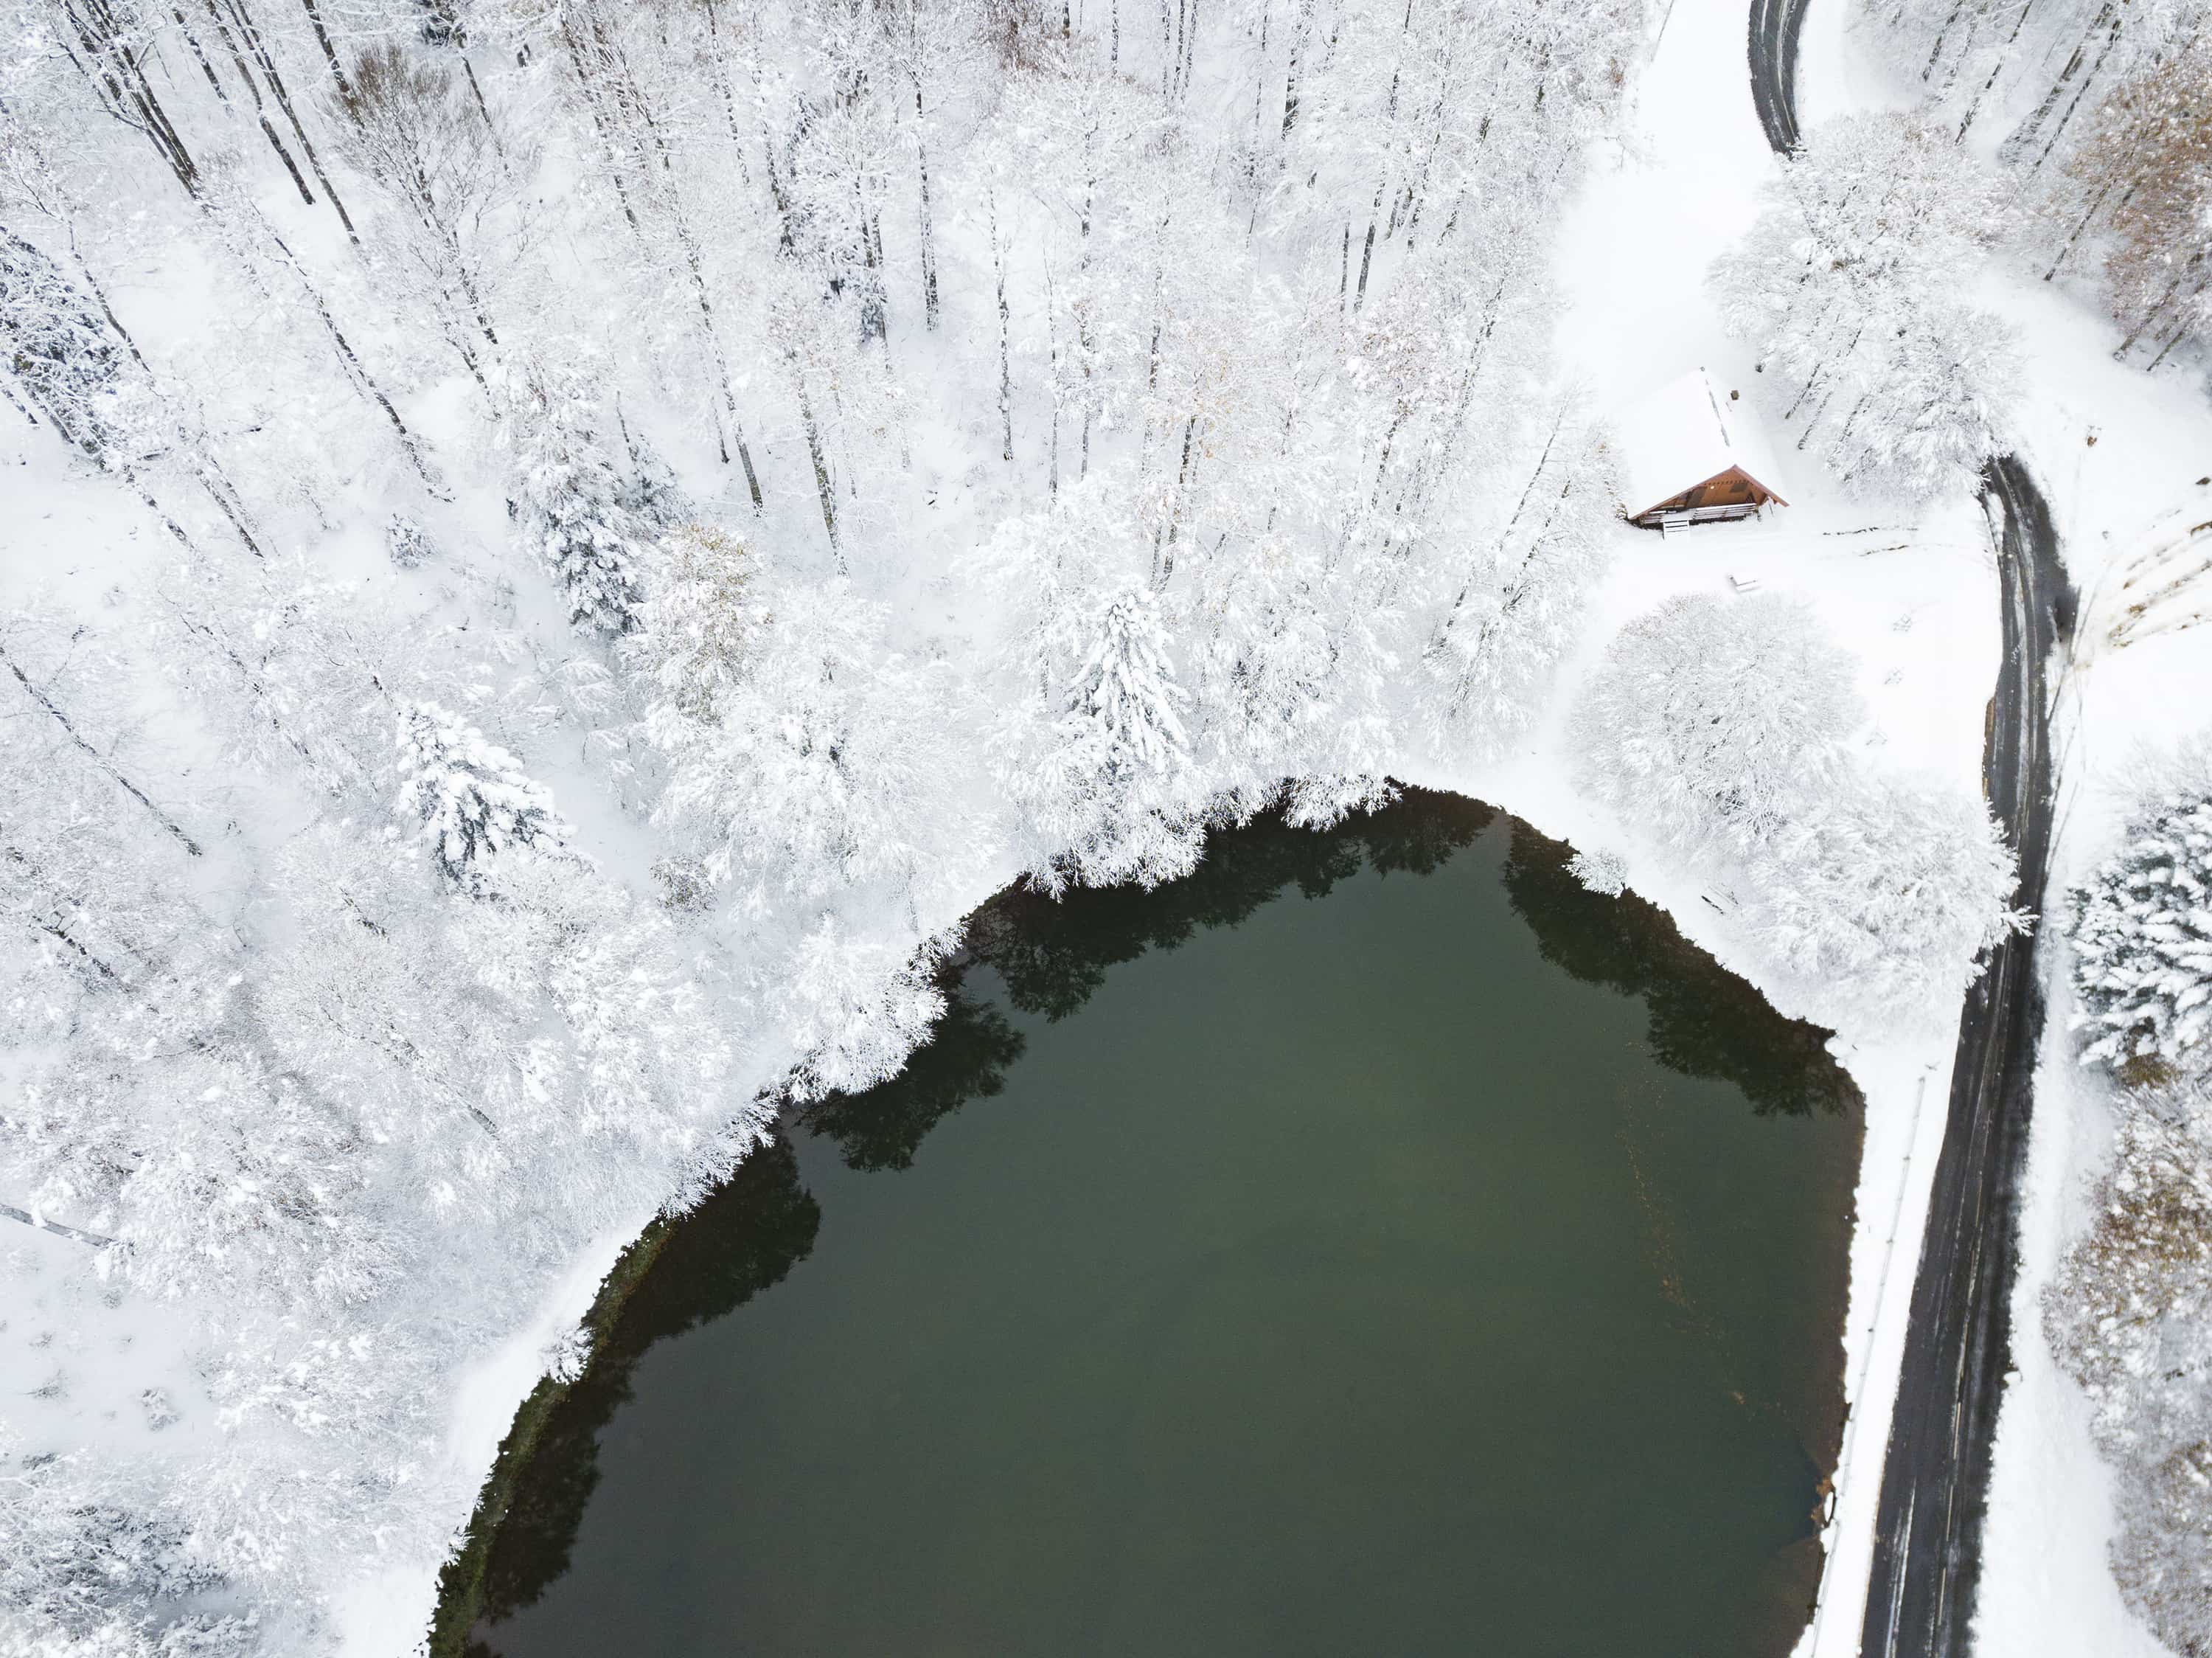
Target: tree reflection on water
1047,957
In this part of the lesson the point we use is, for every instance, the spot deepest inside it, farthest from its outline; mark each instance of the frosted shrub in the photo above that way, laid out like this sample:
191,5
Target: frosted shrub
2142,942
405,542
1711,722
1727,732
2130,1312
2128,1316
2162,1557
1887,894
1601,872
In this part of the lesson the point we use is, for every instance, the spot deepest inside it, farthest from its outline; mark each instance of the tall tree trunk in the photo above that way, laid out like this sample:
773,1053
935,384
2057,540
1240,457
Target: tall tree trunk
1504,536
2031,128
1974,104
722,83
1163,546
1005,319
2159,305
355,373
2111,39
119,80
929,236
253,36
823,485
198,55
260,112
98,759
622,90
329,52
1290,82
2067,247
17,404
1367,254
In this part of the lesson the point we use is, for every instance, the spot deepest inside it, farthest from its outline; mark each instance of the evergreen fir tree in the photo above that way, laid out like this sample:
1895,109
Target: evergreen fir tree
1125,704
2142,942
471,797
569,496
1114,787
650,492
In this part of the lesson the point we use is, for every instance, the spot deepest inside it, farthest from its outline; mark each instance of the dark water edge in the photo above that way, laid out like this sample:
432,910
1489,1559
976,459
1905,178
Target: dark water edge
1050,957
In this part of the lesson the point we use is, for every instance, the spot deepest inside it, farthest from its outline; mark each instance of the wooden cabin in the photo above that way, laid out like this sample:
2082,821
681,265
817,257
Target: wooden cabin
1694,456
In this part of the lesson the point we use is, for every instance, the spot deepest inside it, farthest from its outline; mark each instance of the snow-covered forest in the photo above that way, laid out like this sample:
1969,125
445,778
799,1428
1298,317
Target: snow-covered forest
2107,167
574,541
555,548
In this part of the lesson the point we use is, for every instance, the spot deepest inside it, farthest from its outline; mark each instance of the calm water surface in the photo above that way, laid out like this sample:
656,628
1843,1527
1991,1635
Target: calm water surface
1375,1245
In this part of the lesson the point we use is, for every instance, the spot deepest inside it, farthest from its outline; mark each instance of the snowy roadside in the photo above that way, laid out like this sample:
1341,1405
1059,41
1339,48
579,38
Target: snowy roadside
1912,597
1911,594
2119,454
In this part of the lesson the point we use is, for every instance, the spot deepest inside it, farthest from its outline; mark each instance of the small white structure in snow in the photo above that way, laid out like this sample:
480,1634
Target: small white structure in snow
1692,458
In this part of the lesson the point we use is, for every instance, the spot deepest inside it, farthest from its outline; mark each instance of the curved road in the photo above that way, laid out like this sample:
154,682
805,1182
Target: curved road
1935,1478
1774,26
1958,1346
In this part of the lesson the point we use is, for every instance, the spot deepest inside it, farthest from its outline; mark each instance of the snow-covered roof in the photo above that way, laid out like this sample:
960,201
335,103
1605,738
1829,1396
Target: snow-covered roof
1685,433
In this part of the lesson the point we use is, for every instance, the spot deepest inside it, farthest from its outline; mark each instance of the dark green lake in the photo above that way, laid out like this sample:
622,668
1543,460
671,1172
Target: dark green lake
1375,1244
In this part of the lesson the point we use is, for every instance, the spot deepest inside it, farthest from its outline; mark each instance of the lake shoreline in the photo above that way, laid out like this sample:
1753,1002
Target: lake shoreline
986,933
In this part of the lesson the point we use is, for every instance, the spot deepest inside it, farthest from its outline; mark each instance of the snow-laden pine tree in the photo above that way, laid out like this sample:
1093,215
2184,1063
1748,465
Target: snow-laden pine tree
1091,740
567,495
2141,931
1114,785
651,493
469,799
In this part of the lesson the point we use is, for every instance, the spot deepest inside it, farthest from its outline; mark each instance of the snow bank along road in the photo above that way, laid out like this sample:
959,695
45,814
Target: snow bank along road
1935,1474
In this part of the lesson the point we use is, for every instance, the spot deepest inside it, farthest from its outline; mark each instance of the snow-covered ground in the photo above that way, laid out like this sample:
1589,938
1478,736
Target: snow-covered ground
1910,594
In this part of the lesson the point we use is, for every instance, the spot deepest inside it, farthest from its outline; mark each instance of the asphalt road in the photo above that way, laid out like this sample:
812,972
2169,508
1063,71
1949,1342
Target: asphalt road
1935,1478
1935,1475
1774,26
